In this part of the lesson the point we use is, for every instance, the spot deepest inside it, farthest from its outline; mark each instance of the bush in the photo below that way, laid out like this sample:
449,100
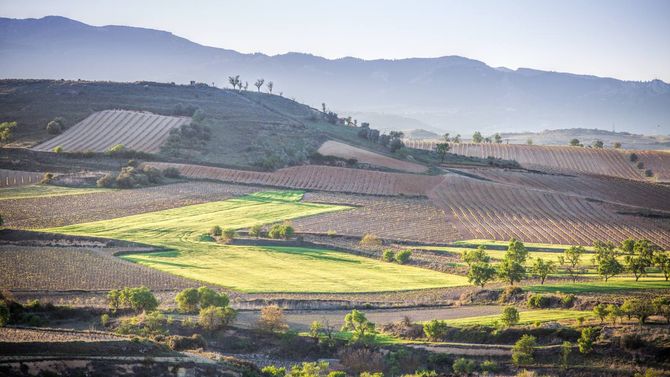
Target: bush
388,255
256,231
568,301
229,234
272,319
54,128
4,313
488,366
116,149
648,173
187,300
284,231
214,318
370,240
538,301
58,149
435,330
585,341
108,180
463,366
215,231
403,256
47,178
509,292
273,371
171,172
138,299
209,297
104,319
633,157
179,343
523,350
509,316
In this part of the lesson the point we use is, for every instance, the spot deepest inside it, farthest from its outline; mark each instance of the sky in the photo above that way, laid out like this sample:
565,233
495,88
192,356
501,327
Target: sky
625,39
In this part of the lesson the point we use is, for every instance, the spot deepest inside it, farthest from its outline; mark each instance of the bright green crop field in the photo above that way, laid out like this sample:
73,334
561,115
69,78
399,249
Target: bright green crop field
525,317
616,284
255,268
38,191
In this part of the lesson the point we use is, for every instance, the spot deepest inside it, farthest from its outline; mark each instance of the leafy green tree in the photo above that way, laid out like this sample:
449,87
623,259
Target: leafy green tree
256,231
435,330
662,307
598,144
575,143
229,234
456,139
600,311
639,256
640,308
613,313
214,318
208,297
512,268
477,137
617,145
6,131
311,369
403,256
273,371
497,138
523,350
543,269
140,298
509,316
570,260
566,350
661,261
480,269
464,367
446,137
216,231
187,300
442,149
114,299
606,260
388,255
272,319
362,329
585,341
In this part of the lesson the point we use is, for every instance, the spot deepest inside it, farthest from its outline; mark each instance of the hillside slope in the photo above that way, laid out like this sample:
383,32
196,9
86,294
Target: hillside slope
455,93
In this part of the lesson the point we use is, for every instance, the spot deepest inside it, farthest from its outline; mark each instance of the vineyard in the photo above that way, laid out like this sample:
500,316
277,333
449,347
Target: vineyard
51,211
139,131
341,150
548,158
385,217
611,189
11,178
658,162
487,210
69,268
324,178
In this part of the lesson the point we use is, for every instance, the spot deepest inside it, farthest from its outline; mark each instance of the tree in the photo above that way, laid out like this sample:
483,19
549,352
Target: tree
600,311
640,308
457,139
370,240
57,149
215,231
512,267
214,318
208,297
543,269
395,145
442,149
234,81
272,319
259,83
529,141
574,143
2,222
270,85
140,299
358,324
435,330
570,260
639,255
388,255
598,144
585,341
661,261
606,260
464,367
187,300
497,138
256,231
6,131
480,271
446,137
509,316
523,350
617,145
323,107
229,234
613,313
54,127
477,137
566,350
662,307
403,256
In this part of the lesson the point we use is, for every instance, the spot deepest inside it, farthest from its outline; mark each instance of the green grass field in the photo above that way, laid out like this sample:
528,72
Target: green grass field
616,284
525,317
499,254
250,268
38,191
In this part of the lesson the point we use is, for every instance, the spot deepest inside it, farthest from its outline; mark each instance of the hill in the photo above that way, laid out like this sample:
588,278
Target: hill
246,129
449,93
588,136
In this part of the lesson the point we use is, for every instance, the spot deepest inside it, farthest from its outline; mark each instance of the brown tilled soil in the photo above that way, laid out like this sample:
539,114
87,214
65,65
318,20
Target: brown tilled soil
346,151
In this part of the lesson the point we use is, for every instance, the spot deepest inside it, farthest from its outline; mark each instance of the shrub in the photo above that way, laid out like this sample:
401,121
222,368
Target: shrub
633,157
600,311
47,178
509,292
4,313
171,172
272,319
58,149
585,341
106,180
523,350
214,318
488,366
273,371
648,173
216,231
256,231
116,149
568,301
639,308
229,234
403,256
178,343
209,297
538,301
187,300
435,330
138,299
104,319
509,316
363,330
370,240
388,255
640,165
337,373
54,128
566,349
463,366
278,231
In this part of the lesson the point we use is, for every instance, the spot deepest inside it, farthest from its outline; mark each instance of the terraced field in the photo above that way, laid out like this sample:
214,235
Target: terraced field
549,158
487,210
324,178
341,150
11,178
139,131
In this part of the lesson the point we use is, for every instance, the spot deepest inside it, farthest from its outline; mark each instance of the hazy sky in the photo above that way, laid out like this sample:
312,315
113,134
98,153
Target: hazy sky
628,39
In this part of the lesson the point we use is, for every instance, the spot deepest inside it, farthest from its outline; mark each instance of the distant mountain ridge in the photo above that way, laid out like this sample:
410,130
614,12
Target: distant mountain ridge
450,93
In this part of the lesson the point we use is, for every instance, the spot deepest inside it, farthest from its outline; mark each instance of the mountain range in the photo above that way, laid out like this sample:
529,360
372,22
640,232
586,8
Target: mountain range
444,94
